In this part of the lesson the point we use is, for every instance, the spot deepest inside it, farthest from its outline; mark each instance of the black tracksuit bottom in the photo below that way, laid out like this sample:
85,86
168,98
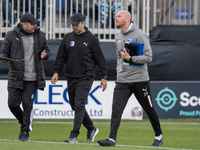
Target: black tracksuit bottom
25,97
122,93
78,90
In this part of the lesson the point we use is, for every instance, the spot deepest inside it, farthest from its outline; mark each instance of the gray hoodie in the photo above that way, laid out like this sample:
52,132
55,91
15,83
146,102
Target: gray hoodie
29,64
126,73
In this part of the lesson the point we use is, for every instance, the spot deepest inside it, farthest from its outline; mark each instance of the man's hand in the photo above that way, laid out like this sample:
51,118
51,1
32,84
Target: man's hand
2,61
54,79
125,55
43,54
103,84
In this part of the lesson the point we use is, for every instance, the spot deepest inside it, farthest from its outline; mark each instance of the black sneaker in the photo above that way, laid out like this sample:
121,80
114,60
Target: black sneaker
106,142
20,135
157,142
91,135
25,137
71,139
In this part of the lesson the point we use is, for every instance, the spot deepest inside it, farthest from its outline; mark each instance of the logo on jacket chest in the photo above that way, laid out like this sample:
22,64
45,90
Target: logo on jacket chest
72,43
85,44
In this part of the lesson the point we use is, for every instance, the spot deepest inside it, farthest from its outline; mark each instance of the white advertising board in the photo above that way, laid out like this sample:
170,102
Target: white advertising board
53,102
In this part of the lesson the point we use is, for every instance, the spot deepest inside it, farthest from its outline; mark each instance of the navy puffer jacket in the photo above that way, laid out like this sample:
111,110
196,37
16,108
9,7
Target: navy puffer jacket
13,48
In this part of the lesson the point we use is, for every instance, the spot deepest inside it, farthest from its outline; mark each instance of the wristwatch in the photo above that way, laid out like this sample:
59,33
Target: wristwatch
130,59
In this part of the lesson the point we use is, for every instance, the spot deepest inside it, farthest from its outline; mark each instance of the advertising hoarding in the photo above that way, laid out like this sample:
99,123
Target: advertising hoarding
53,102
176,99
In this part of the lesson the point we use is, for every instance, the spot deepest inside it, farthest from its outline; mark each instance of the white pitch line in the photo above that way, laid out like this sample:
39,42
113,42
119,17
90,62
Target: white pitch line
147,147
54,122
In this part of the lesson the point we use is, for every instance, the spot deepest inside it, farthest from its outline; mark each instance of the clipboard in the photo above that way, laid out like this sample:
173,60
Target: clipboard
134,49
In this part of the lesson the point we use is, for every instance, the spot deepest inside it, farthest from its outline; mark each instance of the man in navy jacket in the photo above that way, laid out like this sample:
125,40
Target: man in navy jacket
26,46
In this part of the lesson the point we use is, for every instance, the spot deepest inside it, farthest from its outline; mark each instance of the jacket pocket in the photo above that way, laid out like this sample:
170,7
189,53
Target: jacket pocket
15,75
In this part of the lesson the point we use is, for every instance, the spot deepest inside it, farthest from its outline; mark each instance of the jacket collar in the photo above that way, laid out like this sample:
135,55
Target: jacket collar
131,28
17,29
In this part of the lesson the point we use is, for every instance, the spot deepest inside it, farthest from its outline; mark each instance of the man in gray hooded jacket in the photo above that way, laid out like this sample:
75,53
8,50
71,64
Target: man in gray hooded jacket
131,79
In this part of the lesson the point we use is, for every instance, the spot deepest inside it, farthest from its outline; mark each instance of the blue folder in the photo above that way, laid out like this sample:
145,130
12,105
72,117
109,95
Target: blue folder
134,49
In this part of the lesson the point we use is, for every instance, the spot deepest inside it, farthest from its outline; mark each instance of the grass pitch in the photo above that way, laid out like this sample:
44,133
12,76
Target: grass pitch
178,134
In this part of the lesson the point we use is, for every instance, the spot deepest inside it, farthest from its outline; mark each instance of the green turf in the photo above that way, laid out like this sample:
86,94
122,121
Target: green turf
178,134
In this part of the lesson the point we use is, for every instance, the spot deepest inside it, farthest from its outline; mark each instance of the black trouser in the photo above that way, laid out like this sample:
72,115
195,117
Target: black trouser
25,96
122,93
78,90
